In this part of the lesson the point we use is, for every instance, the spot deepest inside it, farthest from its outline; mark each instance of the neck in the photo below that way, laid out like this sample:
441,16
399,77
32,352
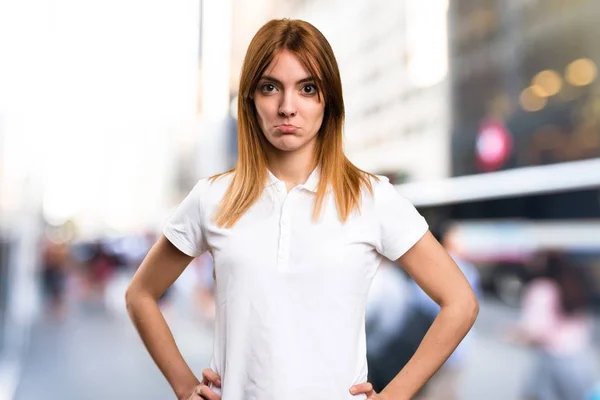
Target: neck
293,168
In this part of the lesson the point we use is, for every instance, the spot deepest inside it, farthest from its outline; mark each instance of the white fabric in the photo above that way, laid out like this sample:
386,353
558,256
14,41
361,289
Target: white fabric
388,305
290,292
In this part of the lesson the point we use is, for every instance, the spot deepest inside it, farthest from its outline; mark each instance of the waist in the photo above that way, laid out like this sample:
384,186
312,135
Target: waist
268,375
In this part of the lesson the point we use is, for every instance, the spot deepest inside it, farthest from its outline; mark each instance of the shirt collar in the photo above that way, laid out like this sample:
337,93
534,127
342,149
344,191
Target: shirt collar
311,184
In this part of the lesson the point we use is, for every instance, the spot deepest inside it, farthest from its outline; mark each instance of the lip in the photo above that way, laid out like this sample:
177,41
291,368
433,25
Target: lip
285,128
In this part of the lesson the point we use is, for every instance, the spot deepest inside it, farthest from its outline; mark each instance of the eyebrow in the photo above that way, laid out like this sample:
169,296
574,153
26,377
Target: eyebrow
275,80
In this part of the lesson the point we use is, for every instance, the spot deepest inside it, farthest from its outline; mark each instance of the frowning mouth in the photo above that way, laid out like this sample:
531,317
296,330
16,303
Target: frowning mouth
285,128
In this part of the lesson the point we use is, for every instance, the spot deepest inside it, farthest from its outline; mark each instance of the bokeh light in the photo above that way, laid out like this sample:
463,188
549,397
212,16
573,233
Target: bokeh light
581,72
549,81
531,101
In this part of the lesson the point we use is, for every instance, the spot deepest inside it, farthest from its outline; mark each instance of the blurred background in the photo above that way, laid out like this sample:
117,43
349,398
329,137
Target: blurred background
484,113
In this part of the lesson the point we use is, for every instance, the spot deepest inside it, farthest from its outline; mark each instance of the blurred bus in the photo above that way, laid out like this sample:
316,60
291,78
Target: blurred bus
505,250
504,218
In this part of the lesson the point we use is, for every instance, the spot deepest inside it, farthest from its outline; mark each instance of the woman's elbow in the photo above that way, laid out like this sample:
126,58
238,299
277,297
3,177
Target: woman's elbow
130,298
133,296
470,307
465,307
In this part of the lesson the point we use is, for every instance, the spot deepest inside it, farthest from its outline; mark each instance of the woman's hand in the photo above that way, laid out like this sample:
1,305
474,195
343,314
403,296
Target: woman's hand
203,390
367,388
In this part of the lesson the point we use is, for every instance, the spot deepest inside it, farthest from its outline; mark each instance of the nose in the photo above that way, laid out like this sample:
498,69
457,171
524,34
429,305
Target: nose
288,108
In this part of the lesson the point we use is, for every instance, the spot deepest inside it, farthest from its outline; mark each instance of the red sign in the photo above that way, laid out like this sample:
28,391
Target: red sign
493,145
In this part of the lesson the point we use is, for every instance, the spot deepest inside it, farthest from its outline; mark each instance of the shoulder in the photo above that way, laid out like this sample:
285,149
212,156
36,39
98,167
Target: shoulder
371,183
211,189
382,190
381,183
218,184
382,197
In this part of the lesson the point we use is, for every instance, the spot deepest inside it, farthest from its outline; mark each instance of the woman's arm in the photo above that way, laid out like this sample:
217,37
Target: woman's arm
432,268
161,267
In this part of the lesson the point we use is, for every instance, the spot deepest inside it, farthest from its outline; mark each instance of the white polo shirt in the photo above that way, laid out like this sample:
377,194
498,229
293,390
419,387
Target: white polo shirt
290,292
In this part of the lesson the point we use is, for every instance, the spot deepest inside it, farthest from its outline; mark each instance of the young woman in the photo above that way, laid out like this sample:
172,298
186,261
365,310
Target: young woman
297,233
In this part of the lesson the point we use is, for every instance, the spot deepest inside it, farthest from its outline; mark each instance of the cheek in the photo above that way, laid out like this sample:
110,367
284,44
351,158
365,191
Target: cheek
316,115
321,115
264,112
260,115
259,118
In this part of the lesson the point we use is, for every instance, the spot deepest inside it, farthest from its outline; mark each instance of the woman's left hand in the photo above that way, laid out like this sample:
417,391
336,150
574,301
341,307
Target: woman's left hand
366,388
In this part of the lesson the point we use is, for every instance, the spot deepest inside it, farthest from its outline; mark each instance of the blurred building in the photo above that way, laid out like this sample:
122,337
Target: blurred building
525,109
87,124
106,107
525,93
20,235
20,208
525,132
206,145
524,83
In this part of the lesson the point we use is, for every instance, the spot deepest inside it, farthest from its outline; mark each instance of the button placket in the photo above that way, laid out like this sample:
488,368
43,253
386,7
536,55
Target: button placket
283,252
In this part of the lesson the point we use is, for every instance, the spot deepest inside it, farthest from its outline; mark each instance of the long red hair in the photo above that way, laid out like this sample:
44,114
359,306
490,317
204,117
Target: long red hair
250,174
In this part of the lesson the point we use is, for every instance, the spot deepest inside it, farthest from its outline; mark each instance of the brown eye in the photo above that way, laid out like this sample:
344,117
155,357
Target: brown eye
309,89
268,88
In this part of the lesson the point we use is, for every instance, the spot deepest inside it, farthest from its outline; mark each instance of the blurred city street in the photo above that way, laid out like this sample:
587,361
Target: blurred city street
484,115
95,354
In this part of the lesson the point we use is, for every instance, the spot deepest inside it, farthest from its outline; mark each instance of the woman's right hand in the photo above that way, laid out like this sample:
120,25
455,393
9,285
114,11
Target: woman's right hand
203,390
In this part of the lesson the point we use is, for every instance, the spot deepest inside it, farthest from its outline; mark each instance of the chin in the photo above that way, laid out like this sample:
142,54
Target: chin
288,144
286,148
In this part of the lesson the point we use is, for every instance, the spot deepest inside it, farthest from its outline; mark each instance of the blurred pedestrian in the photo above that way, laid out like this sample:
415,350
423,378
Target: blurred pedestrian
55,260
101,268
296,232
556,321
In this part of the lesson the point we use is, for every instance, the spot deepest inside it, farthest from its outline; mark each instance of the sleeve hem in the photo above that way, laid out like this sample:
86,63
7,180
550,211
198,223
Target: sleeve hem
175,239
399,251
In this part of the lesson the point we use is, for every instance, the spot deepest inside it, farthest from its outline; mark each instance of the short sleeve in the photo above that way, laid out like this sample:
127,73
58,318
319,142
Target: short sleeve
185,227
400,224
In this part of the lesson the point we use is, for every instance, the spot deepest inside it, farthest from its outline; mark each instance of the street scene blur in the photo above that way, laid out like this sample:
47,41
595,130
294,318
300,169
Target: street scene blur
485,114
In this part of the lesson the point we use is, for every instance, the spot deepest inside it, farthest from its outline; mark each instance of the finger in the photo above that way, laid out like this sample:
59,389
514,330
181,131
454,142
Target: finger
211,376
206,393
362,388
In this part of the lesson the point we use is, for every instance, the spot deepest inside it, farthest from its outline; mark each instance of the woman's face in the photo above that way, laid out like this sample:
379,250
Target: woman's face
288,108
